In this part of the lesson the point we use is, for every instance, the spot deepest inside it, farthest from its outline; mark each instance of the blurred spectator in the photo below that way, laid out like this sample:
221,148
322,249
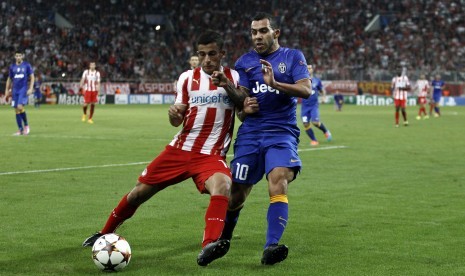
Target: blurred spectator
428,34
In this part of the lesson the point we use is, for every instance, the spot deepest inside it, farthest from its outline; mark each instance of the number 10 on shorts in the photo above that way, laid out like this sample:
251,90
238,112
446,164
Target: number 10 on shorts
242,170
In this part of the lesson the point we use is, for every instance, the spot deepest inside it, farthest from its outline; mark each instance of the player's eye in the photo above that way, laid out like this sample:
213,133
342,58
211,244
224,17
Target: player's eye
210,54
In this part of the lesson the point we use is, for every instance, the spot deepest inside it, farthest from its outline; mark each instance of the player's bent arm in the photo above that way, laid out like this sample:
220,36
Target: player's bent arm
250,106
301,88
176,114
237,95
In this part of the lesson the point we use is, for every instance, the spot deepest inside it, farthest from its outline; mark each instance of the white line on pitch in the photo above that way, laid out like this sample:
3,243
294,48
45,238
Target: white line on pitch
74,168
131,164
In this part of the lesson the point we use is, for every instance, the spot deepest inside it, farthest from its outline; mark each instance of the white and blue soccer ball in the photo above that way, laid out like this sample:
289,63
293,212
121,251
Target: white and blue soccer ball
111,252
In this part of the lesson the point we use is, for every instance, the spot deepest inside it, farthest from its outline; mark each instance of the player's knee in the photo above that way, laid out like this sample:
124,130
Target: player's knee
219,184
141,193
238,196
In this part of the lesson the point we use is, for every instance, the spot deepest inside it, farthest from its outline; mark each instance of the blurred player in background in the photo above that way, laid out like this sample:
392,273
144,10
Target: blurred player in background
423,90
438,86
205,106
310,109
267,141
338,100
37,92
399,86
20,83
90,83
194,62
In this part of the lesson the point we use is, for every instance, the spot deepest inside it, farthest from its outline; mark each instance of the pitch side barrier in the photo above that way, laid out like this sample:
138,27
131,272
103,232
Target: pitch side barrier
363,93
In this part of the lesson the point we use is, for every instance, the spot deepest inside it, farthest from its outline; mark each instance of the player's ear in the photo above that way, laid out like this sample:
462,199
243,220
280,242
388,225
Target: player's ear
277,32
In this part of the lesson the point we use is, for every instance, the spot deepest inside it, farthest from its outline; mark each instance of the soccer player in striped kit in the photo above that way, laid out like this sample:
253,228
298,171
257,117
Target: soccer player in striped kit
423,90
205,106
90,84
20,83
400,85
267,141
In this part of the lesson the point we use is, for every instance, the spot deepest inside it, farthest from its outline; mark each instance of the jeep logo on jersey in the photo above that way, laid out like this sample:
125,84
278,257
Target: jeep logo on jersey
18,76
262,88
282,67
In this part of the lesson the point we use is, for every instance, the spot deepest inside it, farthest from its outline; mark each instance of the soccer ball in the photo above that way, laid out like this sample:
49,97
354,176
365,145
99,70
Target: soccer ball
111,252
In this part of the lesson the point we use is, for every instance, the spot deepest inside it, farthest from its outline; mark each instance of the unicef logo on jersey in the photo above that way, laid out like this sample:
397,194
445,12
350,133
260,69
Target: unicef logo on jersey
263,88
282,67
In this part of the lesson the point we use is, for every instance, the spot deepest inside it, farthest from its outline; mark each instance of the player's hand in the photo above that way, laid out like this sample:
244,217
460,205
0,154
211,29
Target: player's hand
219,79
29,91
250,105
268,75
174,113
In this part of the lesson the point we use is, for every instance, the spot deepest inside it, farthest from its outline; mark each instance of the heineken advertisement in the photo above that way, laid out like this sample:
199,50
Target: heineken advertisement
380,100
376,100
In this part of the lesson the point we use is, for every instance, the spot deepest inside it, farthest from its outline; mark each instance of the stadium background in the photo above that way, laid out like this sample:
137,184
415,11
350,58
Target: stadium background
356,45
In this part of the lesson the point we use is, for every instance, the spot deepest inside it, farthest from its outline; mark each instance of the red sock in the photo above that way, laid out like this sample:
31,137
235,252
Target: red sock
397,118
91,111
214,219
84,108
122,212
423,110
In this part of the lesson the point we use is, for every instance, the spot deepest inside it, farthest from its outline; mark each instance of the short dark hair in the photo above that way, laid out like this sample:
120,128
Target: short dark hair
19,51
263,15
210,36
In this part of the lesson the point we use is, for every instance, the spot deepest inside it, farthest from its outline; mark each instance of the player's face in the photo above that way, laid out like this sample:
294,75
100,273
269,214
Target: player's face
438,77
264,37
210,56
19,58
92,65
310,69
194,61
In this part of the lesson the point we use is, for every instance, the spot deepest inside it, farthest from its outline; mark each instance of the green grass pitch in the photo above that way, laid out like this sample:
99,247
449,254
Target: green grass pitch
377,200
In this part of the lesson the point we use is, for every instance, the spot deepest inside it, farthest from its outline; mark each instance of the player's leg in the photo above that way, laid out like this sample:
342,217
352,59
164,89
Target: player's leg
22,102
437,111
397,108
124,210
404,111
167,169
277,216
84,111
282,165
306,116
239,194
91,113
247,168
219,186
19,122
315,119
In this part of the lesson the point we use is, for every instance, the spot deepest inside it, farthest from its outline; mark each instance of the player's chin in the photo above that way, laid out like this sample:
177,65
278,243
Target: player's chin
209,69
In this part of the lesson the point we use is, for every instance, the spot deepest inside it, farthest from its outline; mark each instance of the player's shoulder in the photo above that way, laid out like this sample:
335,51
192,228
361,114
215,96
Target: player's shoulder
246,59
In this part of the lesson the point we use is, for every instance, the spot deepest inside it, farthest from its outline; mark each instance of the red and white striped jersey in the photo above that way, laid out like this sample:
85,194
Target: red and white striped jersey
209,119
400,82
91,80
423,88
